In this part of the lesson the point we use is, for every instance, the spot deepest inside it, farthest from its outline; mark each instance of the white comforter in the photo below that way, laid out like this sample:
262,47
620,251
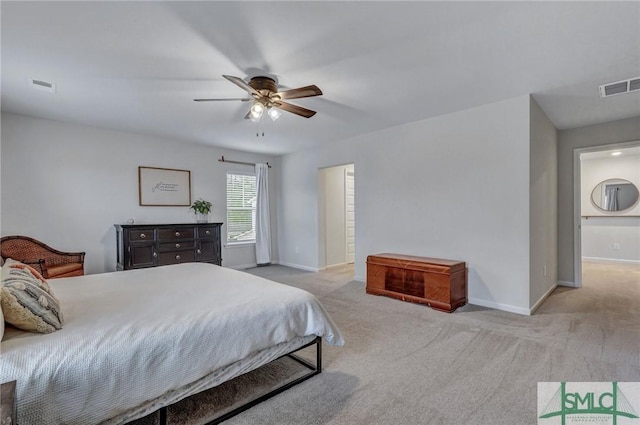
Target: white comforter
129,337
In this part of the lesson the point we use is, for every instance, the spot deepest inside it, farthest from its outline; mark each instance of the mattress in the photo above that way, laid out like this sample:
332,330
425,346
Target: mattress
139,339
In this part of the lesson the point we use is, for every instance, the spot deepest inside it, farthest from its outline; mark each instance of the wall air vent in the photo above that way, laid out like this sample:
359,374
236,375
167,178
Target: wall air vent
43,85
620,87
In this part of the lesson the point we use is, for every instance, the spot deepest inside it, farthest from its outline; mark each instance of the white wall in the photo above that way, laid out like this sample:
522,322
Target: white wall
454,186
543,198
601,230
67,185
610,133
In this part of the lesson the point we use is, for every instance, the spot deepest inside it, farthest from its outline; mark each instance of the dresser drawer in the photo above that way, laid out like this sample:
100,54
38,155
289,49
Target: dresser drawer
142,235
208,231
176,233
174,246
175,257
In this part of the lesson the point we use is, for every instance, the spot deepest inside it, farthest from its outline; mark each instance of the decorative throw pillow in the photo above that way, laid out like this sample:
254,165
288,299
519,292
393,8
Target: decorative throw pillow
1,322
27,301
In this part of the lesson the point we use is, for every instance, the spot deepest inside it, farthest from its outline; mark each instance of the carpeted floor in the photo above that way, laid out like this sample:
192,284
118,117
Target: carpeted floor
408,364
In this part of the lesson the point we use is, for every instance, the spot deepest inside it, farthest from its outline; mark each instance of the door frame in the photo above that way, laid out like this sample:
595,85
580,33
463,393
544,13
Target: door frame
577,201
322,218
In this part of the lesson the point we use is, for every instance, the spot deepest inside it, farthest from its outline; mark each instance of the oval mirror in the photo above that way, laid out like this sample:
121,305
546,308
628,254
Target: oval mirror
615,195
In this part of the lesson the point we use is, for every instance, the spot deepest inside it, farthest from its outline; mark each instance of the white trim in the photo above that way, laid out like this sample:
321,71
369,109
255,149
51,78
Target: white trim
300,267
242,266
359,279
610,260
543,298
246,244
500,306
577,219
567,284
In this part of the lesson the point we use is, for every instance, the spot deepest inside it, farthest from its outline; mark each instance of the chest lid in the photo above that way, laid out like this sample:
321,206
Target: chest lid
411,262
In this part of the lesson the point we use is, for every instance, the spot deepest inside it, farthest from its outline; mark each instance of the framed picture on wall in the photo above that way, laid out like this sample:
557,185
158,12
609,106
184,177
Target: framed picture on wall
166,187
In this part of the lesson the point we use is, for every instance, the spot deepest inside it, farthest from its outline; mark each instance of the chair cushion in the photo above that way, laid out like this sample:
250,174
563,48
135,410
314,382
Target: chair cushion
27,301
65,270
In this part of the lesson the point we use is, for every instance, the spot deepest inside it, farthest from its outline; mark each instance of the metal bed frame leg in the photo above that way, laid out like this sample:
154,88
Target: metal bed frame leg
163,416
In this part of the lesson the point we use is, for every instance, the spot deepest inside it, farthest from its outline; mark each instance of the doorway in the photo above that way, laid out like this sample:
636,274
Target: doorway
336,216
607,208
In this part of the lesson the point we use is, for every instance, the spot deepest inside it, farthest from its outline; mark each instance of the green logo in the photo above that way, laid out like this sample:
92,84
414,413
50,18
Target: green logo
587,402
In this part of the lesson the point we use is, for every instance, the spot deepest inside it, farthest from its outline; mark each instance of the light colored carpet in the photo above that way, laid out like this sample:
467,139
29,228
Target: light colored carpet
408,364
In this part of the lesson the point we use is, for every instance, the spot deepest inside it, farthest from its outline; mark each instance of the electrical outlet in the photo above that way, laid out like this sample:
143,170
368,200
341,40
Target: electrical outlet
616,246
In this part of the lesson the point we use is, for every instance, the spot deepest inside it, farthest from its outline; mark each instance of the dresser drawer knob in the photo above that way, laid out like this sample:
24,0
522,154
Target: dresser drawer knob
177,257
177,245
177,234
142,236
155,254
207,232
199,252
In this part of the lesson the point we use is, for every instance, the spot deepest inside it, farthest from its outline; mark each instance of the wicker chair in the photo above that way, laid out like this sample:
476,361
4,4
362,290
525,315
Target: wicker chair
50,262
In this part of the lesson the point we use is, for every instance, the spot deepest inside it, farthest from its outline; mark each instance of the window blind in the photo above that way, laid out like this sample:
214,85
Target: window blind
241,208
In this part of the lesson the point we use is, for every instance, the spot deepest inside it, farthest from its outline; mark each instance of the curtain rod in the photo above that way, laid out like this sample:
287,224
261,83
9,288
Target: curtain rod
238,162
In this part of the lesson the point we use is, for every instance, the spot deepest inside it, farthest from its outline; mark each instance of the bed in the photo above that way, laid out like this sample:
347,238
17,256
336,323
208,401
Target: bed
136,341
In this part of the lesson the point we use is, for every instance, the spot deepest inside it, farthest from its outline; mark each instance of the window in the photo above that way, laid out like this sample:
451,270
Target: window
241,208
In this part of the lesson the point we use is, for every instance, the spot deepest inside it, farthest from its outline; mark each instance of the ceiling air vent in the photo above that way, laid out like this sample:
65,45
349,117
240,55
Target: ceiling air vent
620,87
43,85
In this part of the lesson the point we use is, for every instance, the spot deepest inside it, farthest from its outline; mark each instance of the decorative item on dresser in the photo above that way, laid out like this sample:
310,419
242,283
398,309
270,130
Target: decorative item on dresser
440,284
150,245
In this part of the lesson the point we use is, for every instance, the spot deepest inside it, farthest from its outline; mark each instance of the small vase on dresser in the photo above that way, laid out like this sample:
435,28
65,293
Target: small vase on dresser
202,218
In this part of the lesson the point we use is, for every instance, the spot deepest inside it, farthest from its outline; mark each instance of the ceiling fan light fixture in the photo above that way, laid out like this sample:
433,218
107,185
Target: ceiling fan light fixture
273,113
257,109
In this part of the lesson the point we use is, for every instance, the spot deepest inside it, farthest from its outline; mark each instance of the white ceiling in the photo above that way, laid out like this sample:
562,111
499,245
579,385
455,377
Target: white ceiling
137,66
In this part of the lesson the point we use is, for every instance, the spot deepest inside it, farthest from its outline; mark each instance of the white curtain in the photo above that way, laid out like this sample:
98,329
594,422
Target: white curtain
263,221
611,198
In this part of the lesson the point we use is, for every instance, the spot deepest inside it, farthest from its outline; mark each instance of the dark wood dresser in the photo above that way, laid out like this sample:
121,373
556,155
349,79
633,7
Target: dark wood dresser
440,284
151,245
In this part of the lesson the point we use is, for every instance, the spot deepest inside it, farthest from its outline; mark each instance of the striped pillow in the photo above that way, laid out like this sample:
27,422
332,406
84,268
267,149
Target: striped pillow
27,301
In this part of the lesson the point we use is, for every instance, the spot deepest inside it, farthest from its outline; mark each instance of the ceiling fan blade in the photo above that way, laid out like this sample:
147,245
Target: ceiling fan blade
295,109
248,116
242,99
242,84
307,91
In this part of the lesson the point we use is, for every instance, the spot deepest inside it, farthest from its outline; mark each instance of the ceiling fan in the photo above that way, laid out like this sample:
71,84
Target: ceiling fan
266,97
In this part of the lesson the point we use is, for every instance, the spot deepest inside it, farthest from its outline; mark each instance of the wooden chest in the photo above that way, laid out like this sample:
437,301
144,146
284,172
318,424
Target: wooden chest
440,284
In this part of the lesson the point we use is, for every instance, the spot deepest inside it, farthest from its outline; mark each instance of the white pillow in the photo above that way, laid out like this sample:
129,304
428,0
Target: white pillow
27,301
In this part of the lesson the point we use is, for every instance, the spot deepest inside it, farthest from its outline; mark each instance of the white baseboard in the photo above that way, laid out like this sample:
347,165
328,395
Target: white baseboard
242,266
542,298
299,266
500,306
566,283
610,260
331,266
359,279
